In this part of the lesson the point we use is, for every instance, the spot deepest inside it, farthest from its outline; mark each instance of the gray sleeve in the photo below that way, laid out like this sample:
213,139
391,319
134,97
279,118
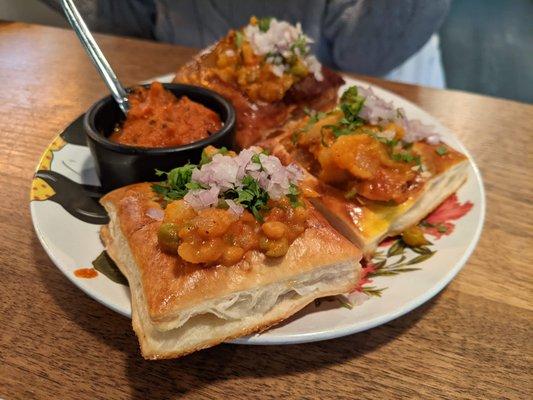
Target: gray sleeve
374,36
120,17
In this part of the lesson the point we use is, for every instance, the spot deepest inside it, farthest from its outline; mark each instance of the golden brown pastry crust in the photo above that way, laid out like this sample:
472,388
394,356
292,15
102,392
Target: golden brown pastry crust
172,302
264,322
171,285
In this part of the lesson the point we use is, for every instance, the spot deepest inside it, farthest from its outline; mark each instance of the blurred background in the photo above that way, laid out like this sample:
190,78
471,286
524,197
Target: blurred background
486,45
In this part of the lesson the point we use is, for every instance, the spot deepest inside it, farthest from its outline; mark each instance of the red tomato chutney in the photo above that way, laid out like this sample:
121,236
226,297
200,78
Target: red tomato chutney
157,118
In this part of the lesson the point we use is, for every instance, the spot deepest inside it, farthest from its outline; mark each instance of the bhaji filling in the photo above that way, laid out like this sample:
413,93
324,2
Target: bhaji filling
265,58
229,205
366,156
215,235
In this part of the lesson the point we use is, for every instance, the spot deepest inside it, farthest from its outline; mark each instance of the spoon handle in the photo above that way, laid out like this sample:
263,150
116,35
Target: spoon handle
86,38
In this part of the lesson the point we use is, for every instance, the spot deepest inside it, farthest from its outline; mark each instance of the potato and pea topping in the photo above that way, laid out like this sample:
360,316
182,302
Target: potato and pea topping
219,236
231,204
368,149
265,58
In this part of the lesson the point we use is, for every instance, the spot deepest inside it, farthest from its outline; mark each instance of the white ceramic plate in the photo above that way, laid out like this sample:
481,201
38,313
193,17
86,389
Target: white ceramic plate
73,243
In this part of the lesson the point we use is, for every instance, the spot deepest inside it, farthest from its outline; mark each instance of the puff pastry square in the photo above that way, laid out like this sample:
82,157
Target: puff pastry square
178,308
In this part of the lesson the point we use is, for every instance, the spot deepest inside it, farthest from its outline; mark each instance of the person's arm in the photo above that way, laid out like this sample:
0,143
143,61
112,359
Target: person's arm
120,17
374,36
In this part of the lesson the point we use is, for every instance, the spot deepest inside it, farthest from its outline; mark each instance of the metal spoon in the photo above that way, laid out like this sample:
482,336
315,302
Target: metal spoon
86,38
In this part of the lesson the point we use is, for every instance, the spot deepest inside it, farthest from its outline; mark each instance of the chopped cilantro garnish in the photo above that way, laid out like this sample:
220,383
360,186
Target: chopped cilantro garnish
264,24
314,116
301,44
256,159
175,187
350,105
193,185
441,150
341,130
293,196
317,117
404,157
252,197
442,228
392,143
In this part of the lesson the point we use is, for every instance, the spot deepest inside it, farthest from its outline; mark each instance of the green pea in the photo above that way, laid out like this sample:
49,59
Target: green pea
274,248
168,238
278,248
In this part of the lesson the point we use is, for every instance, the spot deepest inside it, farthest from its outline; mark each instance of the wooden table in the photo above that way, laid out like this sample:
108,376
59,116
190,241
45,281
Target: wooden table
472,341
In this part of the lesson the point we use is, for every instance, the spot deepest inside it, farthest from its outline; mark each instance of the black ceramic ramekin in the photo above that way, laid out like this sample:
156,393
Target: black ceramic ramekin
118,165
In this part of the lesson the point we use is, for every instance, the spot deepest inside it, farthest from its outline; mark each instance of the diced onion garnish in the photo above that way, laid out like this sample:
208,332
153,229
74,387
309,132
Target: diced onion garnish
377,111
280,42
225,173
155,213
